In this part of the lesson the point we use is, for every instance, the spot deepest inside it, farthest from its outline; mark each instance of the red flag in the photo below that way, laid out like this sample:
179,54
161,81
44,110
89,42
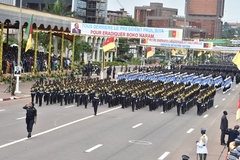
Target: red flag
149,52
109,44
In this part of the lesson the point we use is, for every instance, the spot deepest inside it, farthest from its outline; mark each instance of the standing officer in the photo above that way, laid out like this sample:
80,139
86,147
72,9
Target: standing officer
13,86
202,145
223,127
114,72
31,117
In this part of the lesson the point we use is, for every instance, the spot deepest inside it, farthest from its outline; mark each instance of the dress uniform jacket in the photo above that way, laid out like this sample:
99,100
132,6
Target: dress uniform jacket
202,145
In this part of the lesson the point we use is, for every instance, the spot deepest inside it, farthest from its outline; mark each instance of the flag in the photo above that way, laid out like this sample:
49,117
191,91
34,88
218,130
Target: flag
174,51
236,60
238,110
173,34
207,45
209,55
199,53
149,52
144,41
29,32
109,44
185,56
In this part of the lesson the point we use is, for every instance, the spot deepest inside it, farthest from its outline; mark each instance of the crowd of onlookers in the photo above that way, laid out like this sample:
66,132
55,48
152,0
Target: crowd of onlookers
10,60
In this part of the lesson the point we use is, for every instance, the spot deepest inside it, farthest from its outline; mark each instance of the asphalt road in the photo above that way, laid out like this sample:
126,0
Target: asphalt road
74,133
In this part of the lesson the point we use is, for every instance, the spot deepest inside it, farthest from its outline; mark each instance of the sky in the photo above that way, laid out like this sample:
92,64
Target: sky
231,13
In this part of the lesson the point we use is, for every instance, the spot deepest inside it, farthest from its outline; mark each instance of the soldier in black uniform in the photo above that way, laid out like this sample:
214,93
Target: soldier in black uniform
85,98
179,104
33,92
95,102
133,100
66,95
40,94
31,117
47,94
123,98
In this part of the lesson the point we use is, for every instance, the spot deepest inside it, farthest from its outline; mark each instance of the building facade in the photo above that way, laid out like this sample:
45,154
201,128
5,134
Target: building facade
113,16
206,15
10,2
156,16
90,11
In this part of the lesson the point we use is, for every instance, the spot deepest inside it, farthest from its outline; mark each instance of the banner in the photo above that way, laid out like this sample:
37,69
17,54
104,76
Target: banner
126,31
235,41
222,48
177,44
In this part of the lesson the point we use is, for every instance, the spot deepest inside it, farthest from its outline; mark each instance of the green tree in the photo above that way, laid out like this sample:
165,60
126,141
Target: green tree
11,40
60,7
124,42
81,47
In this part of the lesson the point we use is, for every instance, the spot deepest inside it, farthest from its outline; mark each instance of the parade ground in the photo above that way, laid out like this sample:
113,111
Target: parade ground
69,132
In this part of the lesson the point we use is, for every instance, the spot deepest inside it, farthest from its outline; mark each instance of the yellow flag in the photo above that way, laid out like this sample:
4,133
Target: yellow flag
174,51
236,60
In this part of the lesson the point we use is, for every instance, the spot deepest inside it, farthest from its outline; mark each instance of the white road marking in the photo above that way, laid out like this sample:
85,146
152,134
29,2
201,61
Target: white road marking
190,130
93,148
233,89
236,86
163,156
229,93
205,116
55,128
2,110
20,118
216,106
137,125
69,106
162,112
223,99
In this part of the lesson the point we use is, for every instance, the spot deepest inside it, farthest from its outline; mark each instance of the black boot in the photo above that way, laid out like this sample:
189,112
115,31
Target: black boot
29,134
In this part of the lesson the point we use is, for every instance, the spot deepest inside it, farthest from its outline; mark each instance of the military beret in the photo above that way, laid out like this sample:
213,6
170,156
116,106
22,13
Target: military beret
185,157
203,129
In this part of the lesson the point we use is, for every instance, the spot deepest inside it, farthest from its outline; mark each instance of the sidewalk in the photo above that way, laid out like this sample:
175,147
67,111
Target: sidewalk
24,88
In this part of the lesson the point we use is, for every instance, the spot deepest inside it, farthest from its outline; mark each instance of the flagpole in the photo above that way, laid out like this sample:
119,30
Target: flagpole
103,61
73,51
1,46
49,50
35,52
19,46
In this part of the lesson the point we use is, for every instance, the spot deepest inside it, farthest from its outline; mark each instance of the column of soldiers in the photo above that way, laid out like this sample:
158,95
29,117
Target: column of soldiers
136,94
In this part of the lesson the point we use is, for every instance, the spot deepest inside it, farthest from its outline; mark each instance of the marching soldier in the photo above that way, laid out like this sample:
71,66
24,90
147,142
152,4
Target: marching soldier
47,94
33,92
95,102
179,104
85,98
40,95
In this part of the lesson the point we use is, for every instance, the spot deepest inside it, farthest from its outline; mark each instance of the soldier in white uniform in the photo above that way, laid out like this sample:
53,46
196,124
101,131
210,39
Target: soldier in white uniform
202,145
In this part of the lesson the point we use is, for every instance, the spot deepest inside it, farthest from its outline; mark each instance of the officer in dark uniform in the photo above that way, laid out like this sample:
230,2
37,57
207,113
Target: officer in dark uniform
31,117
66,95
40,95
133,100
47,94
95,102
61,96
33,92
85,98
123,98
179,104
183,97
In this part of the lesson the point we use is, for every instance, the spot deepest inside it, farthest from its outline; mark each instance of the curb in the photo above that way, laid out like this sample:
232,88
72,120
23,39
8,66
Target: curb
13,98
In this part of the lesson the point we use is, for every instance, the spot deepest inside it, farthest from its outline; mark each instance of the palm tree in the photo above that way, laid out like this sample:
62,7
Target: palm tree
58,8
